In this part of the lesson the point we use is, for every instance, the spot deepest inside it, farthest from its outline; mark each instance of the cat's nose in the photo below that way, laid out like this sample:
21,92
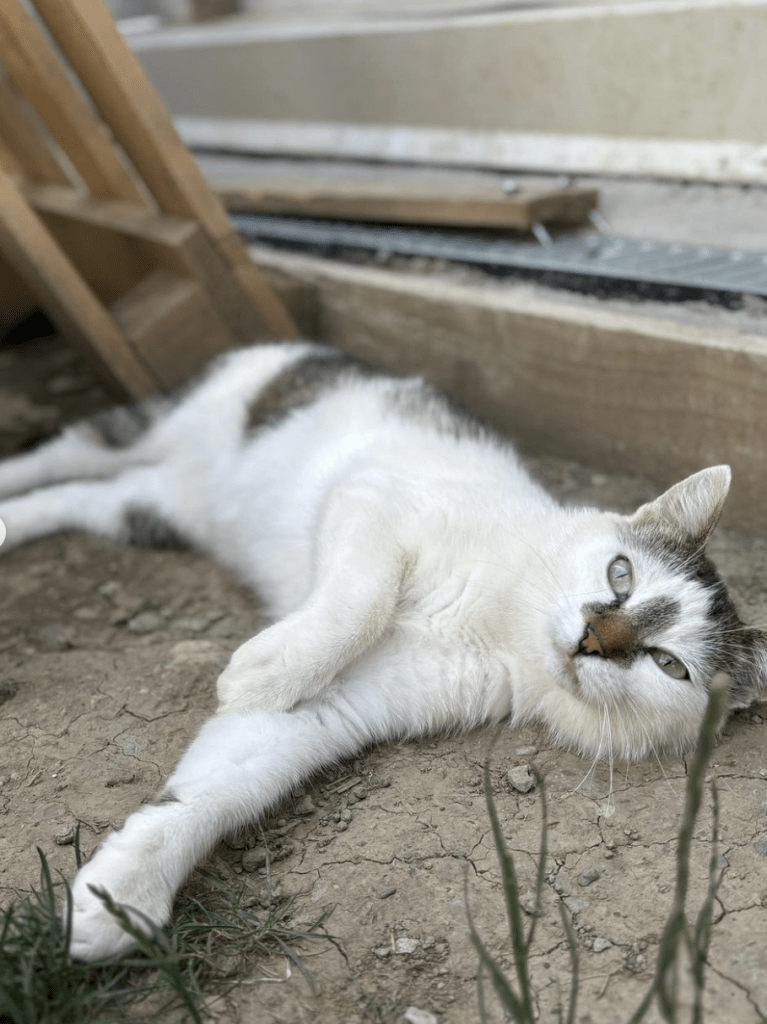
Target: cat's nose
591,643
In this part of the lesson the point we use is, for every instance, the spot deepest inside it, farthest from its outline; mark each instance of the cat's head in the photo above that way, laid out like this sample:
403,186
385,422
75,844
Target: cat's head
645,622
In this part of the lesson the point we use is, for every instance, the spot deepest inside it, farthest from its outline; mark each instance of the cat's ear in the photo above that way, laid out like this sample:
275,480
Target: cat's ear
688,511
748,682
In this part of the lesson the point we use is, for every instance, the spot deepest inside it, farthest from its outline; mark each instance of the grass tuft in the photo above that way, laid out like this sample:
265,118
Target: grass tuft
218,939
683,946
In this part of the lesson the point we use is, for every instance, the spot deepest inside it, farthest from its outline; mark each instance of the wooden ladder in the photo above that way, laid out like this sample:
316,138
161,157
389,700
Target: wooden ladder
104,213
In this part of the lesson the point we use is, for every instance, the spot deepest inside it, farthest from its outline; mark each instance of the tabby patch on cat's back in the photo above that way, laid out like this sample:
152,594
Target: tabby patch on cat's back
417,578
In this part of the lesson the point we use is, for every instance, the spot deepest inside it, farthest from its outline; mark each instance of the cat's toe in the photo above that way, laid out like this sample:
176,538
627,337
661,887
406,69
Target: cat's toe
243,692
96,934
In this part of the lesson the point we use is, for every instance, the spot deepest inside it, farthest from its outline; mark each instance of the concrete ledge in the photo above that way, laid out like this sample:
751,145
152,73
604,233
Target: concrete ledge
672,72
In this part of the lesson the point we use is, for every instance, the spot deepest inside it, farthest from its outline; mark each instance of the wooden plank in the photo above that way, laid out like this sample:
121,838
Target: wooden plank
86,34
17,131
112,215
35,69
173,325
408,195
70,303
624,393
174,243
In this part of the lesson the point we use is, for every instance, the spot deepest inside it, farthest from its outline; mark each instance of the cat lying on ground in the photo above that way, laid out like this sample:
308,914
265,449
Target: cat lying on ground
418,580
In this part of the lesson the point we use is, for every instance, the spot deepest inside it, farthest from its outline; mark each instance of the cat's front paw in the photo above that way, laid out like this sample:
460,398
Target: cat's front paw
256,679
97,933
242,693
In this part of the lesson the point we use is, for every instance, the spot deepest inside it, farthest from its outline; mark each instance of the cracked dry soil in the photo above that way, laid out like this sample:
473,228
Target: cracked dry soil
108,658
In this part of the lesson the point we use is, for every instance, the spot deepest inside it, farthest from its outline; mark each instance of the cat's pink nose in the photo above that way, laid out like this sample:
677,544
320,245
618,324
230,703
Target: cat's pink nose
591,643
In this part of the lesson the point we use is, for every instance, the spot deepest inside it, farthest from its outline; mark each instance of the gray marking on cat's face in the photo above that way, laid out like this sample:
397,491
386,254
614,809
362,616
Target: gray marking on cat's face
301,384
145,528
731,646
619,633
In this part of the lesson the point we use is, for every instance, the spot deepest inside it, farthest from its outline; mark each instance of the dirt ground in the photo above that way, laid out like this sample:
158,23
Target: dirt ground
108,658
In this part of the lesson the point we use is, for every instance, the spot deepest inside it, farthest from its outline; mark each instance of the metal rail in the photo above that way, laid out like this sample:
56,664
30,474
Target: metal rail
576,260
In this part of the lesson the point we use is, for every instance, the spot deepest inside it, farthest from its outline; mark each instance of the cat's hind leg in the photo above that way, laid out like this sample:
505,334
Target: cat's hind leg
101,446
139,506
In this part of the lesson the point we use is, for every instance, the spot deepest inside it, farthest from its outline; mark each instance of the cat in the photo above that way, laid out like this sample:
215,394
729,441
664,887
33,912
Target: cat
417,578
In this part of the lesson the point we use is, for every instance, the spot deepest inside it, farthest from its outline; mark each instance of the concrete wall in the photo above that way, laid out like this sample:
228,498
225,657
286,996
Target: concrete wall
664,70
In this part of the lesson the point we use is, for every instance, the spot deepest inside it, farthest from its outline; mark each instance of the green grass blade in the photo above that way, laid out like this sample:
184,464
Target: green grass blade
514,911
574,963
543,852
676,930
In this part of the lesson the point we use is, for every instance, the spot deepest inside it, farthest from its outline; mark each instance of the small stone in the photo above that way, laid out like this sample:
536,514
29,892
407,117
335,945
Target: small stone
342,826
304,806
384,894
520,778
761,847
525,751
145,622
382,952
65,836
54,637
600,945
589,876
66,384
87,613
253,859
117,776
413,1015
405,946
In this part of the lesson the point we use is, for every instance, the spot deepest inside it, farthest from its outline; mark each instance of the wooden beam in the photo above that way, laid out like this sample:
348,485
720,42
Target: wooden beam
22,137
34,68
38,259
408,195
622,392
89,39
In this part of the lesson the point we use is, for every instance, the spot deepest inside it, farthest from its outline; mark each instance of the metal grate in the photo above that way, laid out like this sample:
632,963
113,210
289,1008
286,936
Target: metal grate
693,268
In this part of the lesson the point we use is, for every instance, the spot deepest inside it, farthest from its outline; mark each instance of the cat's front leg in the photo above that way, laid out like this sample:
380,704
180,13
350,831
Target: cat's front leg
361,568
237,767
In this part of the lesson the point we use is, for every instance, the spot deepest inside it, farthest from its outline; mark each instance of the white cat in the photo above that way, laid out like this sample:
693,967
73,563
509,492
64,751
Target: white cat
418,579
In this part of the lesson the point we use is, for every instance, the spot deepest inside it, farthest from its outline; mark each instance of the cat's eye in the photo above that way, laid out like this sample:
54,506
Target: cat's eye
620,576
669,664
